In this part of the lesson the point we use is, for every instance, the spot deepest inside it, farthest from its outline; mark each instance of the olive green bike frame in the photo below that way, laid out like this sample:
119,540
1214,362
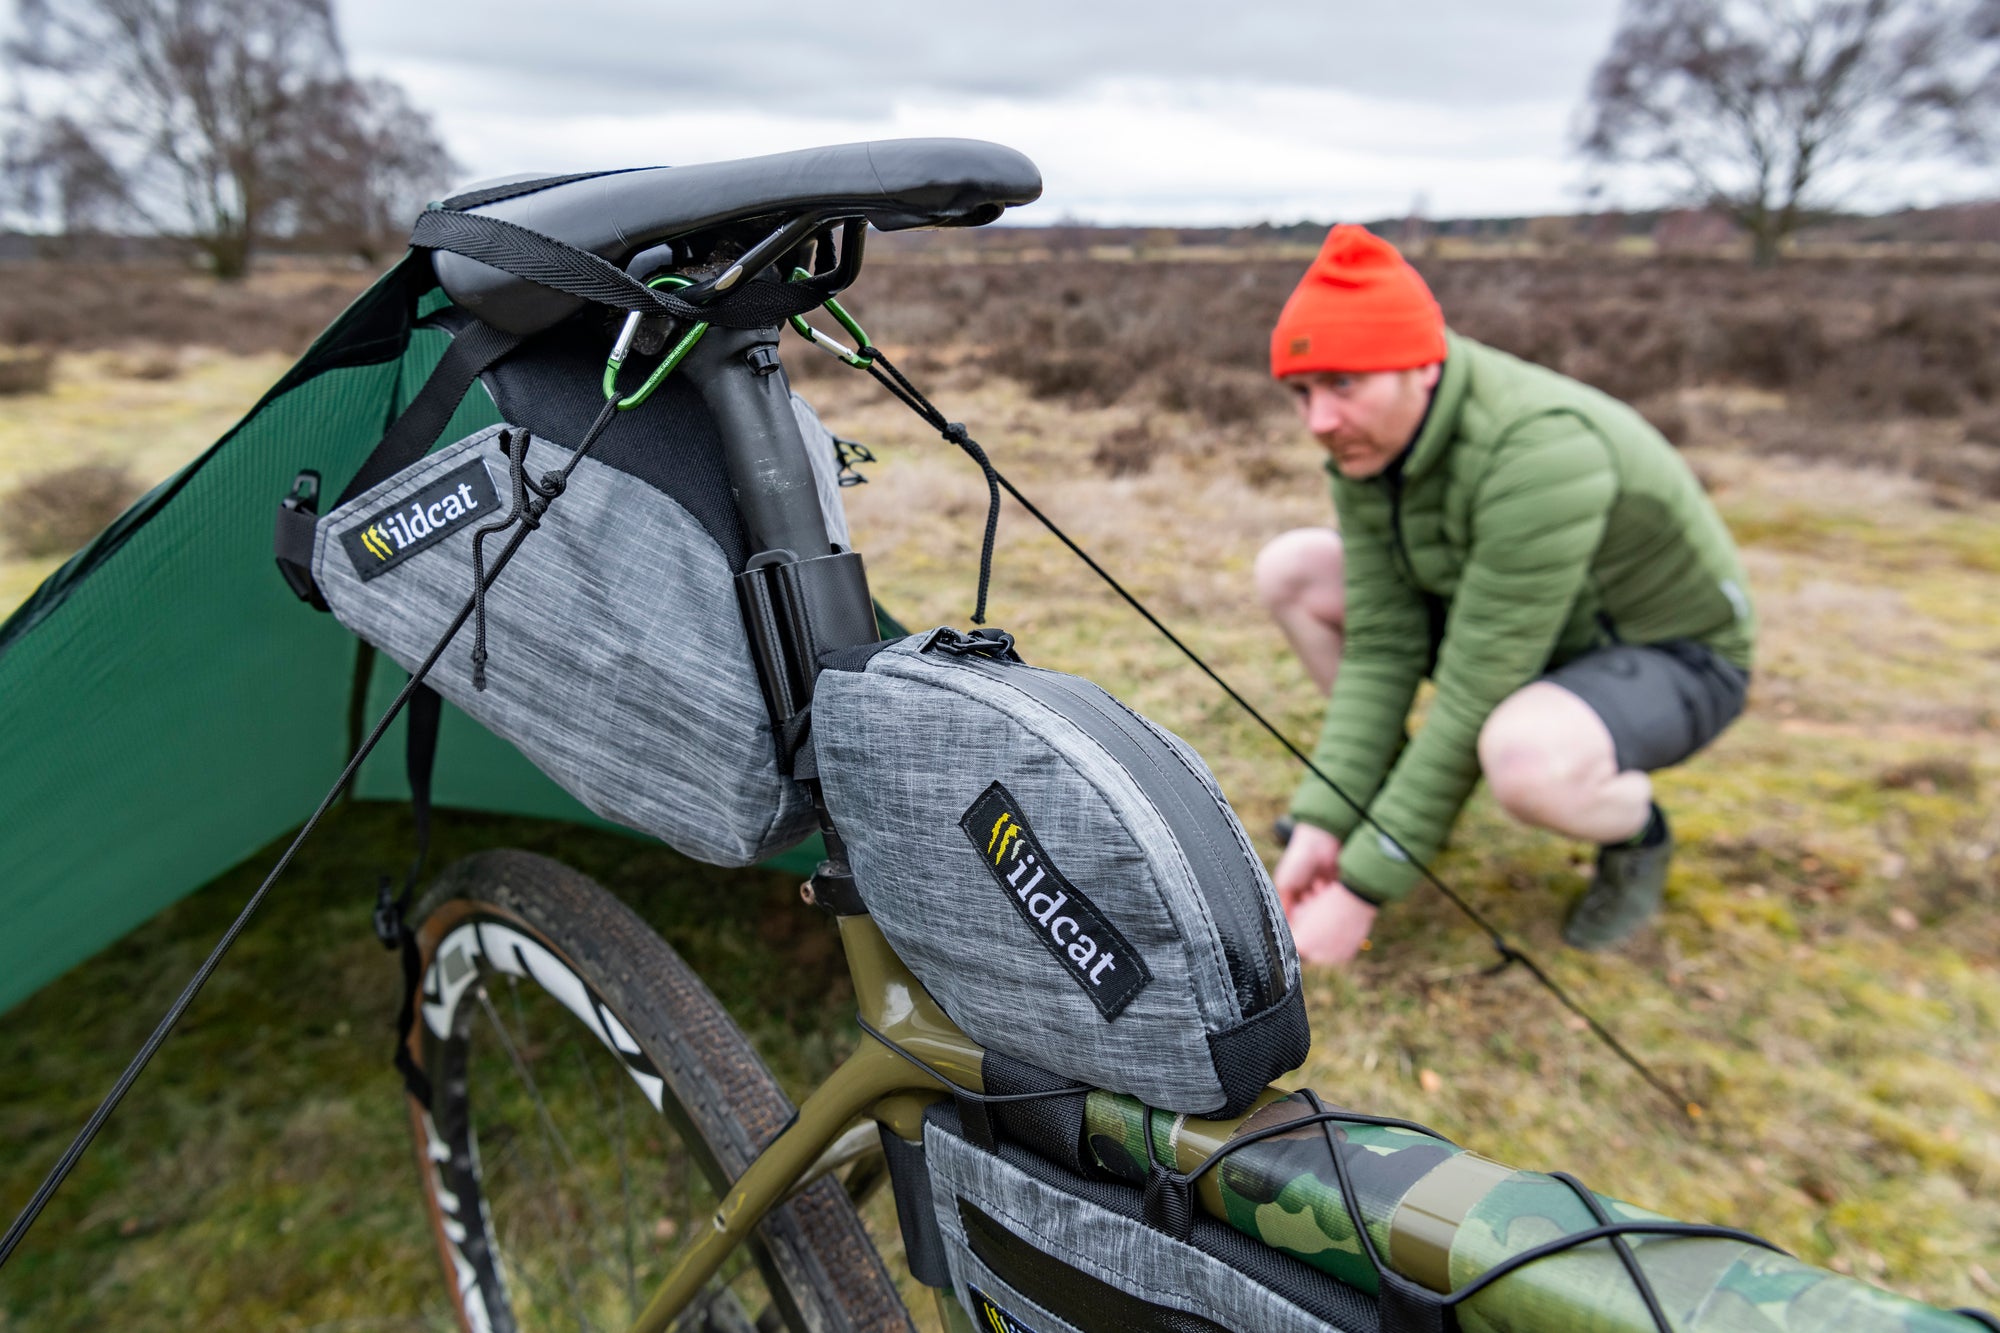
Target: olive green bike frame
874,1084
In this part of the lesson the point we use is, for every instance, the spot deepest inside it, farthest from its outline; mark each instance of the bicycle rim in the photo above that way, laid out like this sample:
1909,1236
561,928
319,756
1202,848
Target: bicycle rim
591,1103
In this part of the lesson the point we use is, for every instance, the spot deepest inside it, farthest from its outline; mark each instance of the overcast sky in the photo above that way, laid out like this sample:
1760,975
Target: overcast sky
1155,112
1224,111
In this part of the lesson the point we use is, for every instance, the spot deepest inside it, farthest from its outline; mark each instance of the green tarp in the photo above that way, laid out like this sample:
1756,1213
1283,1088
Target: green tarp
167,706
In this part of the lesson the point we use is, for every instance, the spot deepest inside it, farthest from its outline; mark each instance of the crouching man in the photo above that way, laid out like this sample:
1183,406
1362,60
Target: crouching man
1527,543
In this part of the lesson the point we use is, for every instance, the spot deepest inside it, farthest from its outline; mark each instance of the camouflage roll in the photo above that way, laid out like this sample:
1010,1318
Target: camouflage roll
1442,1216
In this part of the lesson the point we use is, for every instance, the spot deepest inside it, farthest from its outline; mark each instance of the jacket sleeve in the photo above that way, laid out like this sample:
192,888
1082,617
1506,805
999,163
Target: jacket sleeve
1536,522
1383,658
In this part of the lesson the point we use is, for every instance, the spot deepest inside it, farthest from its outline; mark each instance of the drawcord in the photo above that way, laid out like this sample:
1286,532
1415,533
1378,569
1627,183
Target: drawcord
908,394
1509,954
526,510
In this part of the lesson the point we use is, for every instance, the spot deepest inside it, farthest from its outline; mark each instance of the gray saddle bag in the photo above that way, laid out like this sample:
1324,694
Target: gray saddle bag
1063,876
618,659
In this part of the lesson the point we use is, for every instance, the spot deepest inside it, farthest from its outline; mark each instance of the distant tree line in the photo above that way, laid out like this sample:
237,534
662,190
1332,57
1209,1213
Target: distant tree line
225,123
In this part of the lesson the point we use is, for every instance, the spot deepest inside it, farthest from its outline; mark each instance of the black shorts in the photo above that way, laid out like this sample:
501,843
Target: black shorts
1661,701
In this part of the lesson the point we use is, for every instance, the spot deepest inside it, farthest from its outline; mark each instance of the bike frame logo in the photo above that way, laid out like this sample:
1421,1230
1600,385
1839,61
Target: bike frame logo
416,522
1063,918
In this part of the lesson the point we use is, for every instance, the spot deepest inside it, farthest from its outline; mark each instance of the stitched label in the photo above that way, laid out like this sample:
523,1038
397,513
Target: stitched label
990,1317
417,522
1061,916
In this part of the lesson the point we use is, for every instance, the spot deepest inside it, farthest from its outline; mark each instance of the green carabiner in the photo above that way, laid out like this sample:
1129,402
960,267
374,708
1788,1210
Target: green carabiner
854,330
623,348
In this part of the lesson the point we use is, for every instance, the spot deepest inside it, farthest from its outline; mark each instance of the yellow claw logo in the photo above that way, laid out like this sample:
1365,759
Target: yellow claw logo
997,842
376,542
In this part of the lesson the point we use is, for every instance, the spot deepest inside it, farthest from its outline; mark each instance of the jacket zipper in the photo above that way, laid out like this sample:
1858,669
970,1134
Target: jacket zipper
1395,483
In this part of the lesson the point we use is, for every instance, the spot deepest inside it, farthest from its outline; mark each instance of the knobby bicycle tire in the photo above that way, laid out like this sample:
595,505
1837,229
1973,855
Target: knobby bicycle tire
512,921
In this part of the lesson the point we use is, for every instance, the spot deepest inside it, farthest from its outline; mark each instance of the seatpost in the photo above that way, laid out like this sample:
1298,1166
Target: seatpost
742,380
800,597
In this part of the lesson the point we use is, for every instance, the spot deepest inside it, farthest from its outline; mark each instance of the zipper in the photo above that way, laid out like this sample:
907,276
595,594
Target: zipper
1248,945
1394,481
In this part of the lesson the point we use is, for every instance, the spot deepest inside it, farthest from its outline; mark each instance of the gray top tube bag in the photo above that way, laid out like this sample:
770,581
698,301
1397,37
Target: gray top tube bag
618,659
1064,876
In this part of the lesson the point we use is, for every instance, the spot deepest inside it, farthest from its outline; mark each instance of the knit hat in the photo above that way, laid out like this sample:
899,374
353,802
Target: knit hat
1360,307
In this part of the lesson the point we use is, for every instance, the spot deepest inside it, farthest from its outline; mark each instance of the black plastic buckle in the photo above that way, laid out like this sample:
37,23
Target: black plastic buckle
292,542
986,641
388,918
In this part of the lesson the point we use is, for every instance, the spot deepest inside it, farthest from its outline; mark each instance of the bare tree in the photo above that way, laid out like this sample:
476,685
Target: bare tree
1751,103
210,120
57,172
374,164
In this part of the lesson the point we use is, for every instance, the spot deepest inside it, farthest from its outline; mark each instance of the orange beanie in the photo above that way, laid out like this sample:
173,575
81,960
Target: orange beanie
1360,307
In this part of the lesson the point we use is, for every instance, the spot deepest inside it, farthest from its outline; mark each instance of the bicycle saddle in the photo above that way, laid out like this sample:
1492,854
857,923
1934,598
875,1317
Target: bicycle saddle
894,184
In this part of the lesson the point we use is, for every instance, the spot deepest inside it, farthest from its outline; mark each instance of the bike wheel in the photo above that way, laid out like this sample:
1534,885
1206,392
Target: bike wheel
591,1103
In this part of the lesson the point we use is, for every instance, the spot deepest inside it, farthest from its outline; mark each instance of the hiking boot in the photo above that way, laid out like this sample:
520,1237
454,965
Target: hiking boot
1626,890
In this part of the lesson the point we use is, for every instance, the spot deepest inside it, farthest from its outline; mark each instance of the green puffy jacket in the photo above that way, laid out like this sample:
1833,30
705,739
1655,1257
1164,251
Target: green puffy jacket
1533,520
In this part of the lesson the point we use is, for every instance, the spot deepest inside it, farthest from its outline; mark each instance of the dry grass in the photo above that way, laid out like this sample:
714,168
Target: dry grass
1824,978
1827,973
56,512
25,370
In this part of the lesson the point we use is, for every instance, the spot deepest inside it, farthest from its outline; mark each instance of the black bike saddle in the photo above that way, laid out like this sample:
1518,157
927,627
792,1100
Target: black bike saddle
895,184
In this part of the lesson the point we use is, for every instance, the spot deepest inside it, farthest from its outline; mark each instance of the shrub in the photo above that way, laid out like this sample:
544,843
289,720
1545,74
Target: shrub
56,512
1127,451
1219,395
155,364
25,370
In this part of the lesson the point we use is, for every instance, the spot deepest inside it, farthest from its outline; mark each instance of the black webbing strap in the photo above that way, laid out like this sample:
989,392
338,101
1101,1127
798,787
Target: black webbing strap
392,925
476,347
426,711
529,254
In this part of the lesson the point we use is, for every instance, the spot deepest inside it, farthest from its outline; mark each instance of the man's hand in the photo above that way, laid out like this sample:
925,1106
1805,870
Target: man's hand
1329,921
1311,862
1330,927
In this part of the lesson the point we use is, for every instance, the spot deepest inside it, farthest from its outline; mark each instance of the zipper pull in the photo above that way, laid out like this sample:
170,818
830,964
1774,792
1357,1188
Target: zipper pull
988,641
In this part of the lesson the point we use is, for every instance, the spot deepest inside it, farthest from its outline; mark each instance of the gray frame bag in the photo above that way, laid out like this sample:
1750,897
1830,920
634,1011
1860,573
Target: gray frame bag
1029,1243
618,659
1064,877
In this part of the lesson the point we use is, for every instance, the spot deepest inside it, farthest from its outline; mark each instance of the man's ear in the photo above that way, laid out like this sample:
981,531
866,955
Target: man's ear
1429,375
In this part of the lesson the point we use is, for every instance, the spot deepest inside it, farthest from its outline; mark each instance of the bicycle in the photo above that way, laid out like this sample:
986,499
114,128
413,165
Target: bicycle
1288,1204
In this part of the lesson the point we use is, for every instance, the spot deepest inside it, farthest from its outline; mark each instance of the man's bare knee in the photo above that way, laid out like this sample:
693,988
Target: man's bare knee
1541,756
1531,781
1301,568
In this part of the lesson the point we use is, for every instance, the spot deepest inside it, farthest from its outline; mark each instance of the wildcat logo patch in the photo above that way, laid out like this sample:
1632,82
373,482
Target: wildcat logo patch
1066,922
991,1318
417,522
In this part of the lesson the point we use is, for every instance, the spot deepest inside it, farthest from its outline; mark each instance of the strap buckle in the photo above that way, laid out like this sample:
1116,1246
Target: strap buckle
388,916
292,541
